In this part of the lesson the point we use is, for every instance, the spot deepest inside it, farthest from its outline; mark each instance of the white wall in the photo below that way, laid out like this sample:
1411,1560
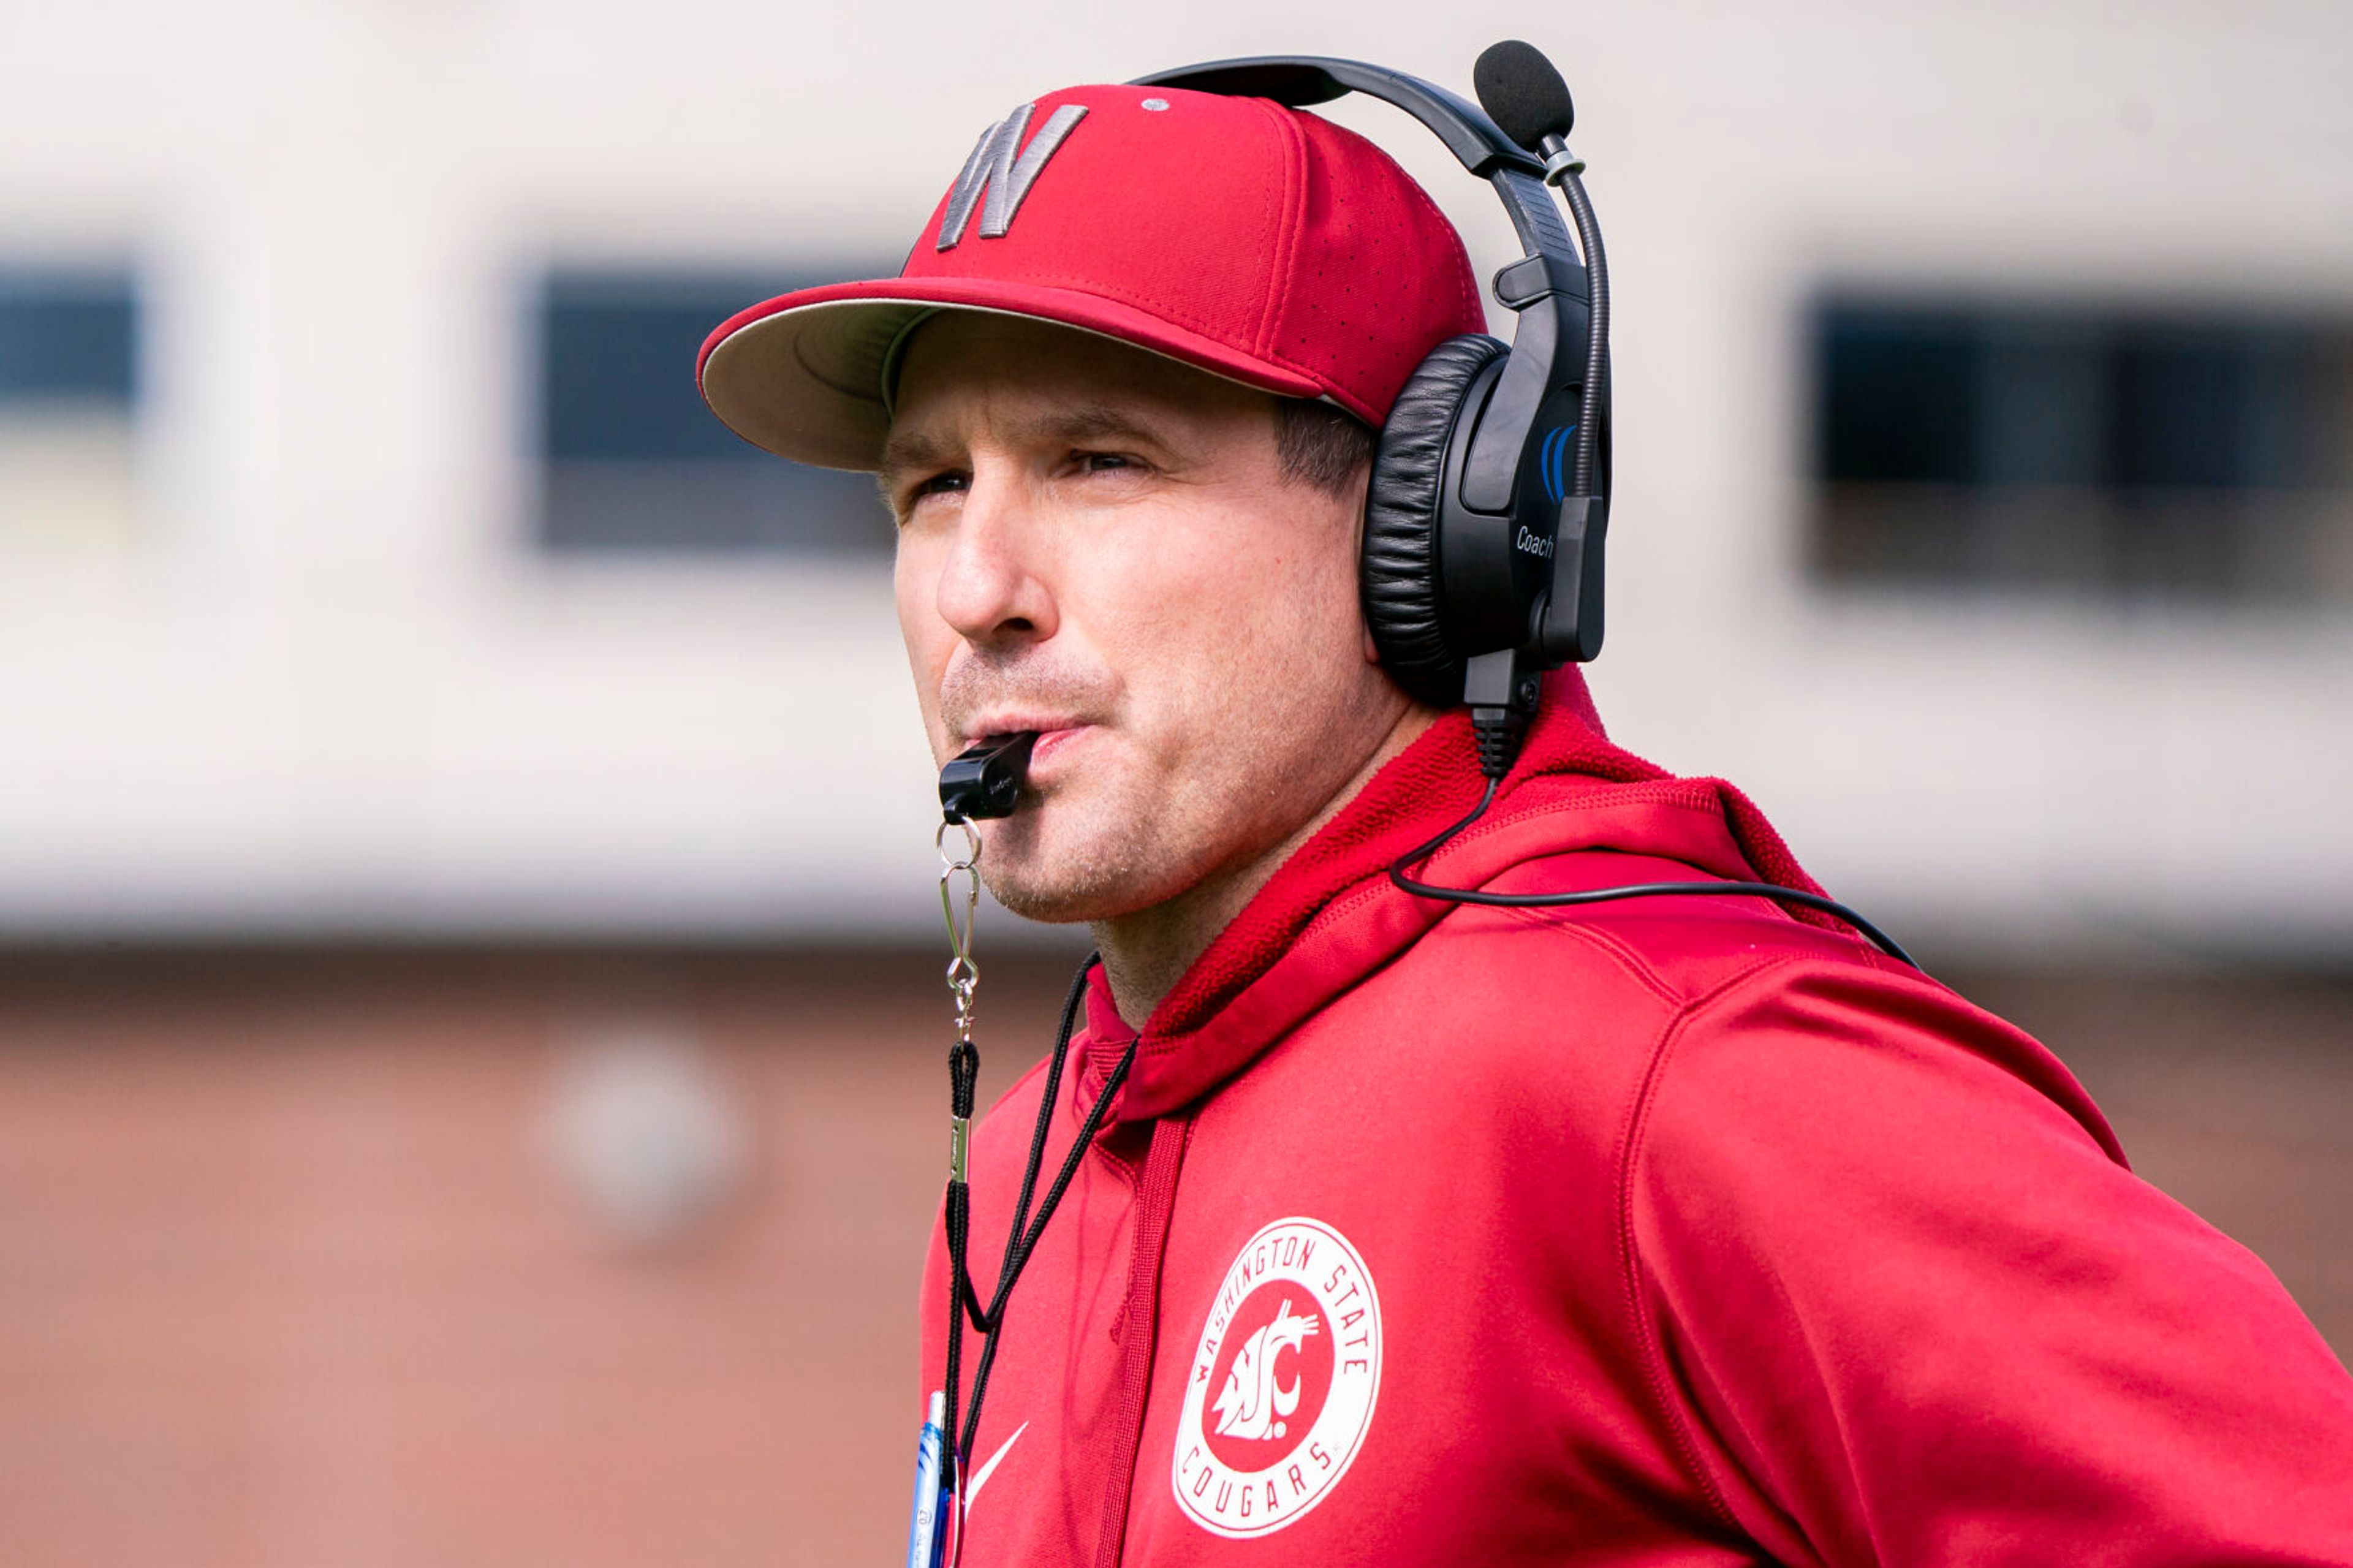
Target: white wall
330,687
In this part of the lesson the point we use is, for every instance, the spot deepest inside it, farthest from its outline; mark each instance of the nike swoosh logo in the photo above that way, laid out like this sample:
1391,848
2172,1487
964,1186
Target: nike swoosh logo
980,1476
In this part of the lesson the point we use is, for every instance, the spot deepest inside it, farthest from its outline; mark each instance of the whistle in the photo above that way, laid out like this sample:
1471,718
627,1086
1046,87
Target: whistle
985,781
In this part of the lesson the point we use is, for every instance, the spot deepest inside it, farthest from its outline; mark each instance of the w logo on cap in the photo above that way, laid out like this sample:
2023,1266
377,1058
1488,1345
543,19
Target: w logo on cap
1001,168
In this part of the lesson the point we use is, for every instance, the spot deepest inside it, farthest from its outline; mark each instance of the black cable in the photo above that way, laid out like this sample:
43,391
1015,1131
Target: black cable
1879,939
963,1063
1072,1001
1029,1240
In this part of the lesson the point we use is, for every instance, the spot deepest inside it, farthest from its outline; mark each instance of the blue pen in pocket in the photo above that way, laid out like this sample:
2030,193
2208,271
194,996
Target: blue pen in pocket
924,1533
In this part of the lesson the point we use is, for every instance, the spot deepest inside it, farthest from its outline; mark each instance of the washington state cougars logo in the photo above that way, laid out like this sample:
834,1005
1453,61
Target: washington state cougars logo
1252,1404
1280,1392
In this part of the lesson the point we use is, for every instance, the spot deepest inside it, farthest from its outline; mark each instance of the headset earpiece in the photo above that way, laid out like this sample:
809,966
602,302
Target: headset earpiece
1401,570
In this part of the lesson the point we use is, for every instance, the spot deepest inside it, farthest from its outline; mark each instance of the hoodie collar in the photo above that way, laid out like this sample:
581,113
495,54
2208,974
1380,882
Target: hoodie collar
1330,916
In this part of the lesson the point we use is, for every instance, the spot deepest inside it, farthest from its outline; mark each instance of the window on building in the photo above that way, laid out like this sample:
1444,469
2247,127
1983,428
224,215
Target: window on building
634,462
2103,451
68,387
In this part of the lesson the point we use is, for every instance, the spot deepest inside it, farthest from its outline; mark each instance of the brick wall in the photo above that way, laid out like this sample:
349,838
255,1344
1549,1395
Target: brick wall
299,1266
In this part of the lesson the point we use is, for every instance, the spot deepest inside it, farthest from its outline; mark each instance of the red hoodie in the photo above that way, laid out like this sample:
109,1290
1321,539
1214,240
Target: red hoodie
1665,1231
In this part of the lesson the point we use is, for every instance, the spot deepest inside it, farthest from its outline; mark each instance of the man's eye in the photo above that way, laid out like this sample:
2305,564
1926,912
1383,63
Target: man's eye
1104,462
940,484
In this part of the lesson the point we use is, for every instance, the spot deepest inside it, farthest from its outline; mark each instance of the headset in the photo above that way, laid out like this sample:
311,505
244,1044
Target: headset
1489,500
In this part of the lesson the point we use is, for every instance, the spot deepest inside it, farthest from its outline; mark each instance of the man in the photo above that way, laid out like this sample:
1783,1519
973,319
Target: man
1667,1230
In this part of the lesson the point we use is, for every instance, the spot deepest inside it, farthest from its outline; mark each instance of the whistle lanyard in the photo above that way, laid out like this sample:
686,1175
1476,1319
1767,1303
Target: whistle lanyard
1021,1237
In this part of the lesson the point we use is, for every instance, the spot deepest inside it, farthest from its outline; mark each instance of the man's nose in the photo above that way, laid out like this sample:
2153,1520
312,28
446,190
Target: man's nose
991,588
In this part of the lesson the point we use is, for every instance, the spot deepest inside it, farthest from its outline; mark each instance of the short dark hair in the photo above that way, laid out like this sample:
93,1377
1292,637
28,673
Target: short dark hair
1320,444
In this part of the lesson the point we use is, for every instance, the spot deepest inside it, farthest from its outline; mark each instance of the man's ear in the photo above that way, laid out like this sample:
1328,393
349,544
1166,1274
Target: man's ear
1354,501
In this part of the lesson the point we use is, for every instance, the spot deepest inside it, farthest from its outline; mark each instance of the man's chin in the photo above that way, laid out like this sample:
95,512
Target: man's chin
1064,884
1035,893
1051,907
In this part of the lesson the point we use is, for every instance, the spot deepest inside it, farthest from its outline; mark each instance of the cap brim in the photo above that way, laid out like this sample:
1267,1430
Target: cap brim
803,375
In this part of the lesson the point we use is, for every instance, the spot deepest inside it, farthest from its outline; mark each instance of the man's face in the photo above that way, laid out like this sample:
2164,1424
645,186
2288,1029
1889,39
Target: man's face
1099,544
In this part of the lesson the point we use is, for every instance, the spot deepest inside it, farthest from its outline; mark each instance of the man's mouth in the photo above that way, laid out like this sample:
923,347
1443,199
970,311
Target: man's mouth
1053,733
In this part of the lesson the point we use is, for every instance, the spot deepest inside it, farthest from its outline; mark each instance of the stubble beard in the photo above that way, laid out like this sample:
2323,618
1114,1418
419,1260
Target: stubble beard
1062,861
1114,844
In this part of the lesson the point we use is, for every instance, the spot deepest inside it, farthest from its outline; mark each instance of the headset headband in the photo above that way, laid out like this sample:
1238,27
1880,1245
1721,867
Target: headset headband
1297,81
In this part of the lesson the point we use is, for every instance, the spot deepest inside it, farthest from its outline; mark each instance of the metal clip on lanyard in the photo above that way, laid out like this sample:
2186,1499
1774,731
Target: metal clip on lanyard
964,978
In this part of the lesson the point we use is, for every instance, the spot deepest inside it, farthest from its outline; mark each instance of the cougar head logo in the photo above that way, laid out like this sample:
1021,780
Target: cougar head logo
1252,1404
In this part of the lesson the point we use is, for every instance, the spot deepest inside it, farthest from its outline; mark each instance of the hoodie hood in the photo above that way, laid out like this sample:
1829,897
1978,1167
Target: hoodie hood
1330,916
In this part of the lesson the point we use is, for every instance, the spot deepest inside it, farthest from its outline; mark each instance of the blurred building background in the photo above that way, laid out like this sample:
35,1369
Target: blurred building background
468,1080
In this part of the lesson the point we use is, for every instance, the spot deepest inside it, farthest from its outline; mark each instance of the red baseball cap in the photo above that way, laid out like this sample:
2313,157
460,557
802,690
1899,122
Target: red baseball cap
1260,243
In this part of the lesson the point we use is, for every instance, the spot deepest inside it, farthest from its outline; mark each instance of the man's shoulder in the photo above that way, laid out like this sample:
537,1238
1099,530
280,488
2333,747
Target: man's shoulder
1632,968
1604,1008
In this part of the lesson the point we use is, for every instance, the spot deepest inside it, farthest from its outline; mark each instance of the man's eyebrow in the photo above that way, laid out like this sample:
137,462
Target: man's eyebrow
904,451
1079,425
913,447
1087,421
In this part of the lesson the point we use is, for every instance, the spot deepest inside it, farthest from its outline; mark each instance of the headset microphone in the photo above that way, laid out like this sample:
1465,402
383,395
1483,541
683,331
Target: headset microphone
1523,93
